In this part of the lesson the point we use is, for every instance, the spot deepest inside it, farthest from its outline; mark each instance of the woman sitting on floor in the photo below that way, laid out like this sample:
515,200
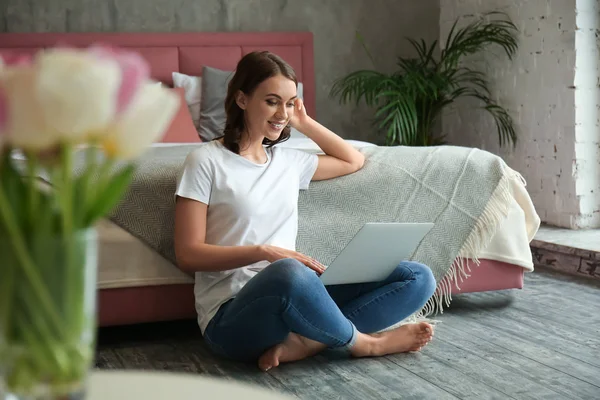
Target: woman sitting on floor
236,226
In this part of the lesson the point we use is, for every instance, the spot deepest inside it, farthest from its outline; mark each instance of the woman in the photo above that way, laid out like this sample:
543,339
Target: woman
236,225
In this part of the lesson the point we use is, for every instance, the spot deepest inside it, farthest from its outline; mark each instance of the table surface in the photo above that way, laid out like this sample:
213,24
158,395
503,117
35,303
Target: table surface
147,385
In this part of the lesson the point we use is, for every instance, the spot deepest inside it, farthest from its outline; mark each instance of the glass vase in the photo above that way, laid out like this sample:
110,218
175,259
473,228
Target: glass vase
47,315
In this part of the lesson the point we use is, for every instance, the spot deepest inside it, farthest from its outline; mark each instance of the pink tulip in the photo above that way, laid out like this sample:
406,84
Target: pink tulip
134,72
15,60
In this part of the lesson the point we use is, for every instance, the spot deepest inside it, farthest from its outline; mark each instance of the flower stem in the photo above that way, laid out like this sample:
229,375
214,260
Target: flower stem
18,242
70,302
36,346
7,274
90,183
7,293
34,195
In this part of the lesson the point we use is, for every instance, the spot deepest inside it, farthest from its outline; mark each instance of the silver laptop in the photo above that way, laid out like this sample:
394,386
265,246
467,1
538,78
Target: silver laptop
374,252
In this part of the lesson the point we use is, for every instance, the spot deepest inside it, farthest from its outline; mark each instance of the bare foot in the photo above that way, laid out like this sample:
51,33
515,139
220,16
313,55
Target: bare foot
409,337
293,348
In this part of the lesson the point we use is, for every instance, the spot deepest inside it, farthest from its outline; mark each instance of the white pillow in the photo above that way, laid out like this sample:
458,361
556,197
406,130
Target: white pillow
192,87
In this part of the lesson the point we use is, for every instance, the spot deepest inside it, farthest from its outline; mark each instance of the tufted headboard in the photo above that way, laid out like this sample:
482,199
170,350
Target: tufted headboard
186,52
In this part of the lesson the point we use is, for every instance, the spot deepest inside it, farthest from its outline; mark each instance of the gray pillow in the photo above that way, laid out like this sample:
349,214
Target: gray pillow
212,105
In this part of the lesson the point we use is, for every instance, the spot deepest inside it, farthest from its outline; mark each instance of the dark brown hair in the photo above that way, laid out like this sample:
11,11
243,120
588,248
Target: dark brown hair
251,71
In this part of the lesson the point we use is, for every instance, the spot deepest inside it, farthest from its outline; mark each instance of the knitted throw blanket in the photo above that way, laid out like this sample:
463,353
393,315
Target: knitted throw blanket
464,191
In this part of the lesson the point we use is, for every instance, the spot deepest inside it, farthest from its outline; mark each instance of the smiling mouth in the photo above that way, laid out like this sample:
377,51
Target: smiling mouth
276,125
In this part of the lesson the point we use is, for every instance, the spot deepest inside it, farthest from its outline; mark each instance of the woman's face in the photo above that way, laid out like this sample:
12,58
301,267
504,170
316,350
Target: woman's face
269,109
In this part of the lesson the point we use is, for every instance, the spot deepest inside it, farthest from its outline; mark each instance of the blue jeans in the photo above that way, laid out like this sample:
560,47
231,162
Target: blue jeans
289,297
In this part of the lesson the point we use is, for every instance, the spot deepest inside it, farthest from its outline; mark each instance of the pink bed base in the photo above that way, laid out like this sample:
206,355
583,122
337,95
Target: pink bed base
188,53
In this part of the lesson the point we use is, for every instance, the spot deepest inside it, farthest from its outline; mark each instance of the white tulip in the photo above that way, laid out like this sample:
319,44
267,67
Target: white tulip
142,123
25,125
77,92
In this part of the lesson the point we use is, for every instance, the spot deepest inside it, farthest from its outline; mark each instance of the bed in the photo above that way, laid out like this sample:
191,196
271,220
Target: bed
147,287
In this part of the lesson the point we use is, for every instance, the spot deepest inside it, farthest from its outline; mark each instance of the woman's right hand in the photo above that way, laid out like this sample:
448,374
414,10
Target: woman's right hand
274,253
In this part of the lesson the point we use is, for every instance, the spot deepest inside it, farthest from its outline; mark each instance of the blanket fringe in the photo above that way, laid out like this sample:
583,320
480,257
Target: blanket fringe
485,227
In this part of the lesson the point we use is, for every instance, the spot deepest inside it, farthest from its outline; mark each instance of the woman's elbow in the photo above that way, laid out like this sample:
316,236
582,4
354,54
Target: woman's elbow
183,264
185,261
358,163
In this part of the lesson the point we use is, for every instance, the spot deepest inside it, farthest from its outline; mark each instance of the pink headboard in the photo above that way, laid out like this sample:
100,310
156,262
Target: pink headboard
186,52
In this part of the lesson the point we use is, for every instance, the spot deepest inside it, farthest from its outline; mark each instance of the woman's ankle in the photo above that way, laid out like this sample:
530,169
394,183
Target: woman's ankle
365,345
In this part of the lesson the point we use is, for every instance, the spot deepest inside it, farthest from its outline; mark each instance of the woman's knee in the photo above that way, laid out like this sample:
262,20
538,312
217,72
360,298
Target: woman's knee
423,276
290,274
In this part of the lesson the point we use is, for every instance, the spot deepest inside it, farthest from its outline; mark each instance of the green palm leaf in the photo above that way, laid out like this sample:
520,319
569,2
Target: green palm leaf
358,85
409,101
478,35
399,118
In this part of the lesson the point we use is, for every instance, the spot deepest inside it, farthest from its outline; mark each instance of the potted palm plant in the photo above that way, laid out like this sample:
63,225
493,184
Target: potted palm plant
410,100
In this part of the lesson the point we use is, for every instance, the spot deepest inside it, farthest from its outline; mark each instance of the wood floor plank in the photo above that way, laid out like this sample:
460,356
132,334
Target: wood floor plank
445,376
590,330
186,355
572,342
108,359
225,369
566,310
562,292
586,289
400,383
540,342
528,348
570,387
308,379
566,306
513,384
373,378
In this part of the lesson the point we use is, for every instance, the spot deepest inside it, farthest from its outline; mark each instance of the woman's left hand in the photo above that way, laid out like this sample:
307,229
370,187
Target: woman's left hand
300,116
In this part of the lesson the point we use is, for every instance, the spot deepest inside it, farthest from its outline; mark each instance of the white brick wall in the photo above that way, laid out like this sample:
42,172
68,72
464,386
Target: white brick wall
556,158
587,103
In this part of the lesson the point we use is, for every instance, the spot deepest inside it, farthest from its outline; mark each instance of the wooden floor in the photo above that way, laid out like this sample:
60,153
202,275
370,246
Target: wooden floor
542,342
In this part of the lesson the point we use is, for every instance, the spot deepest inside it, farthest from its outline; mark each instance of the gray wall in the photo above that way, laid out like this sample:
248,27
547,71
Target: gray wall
384,24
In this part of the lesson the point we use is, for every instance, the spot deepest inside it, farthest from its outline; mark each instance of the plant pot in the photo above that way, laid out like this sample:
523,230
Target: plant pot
47,315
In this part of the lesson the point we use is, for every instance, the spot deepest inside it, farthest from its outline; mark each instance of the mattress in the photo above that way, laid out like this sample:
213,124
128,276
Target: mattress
125,261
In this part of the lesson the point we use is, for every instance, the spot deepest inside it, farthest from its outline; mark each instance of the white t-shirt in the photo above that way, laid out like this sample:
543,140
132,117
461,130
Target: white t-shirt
248,204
